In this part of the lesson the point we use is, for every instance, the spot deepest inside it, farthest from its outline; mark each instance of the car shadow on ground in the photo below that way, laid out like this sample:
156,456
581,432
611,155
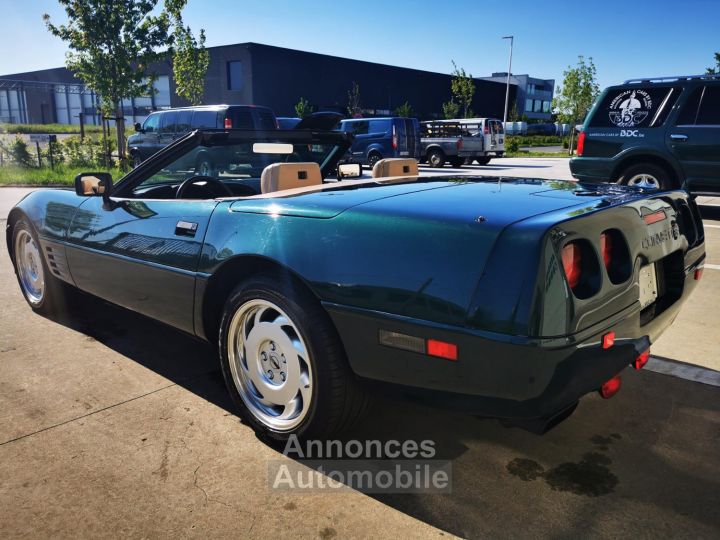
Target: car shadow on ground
709,212
647,460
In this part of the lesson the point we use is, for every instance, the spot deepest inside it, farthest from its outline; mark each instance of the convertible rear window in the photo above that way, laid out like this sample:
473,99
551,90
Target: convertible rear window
635,107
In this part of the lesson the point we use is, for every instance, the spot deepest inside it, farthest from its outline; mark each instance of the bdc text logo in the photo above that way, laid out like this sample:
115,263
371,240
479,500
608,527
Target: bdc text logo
630,133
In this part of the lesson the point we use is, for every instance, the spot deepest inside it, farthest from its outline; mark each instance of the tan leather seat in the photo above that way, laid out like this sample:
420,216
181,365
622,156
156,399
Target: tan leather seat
282,176
395,167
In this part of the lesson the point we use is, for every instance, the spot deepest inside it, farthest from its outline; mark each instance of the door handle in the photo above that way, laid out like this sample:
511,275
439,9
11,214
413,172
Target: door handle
186,228
678,137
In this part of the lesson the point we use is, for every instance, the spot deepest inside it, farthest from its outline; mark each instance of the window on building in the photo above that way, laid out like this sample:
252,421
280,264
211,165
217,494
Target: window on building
531,88
537,105
162,91
546,106
234,75
528,105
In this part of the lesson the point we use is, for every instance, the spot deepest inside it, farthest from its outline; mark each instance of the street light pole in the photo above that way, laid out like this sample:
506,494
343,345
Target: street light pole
507,85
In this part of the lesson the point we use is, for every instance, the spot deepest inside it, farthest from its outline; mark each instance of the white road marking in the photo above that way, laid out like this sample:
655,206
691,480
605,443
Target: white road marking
712,266
683,371
711,226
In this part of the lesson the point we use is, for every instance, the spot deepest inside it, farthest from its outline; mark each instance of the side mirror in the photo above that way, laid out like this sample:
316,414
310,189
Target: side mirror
138,127
94,185
349,170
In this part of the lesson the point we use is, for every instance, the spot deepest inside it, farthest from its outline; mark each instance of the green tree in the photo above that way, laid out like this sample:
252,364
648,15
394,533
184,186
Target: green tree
353,107
405,110
190,58
112,43
462,88
451,109
715,70
513,115
577,94
303,108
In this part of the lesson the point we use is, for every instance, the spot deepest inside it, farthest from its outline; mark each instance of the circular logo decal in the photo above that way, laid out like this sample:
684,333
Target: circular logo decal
630,108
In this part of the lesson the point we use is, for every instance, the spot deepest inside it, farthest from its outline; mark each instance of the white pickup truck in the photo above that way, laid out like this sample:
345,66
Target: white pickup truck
462,141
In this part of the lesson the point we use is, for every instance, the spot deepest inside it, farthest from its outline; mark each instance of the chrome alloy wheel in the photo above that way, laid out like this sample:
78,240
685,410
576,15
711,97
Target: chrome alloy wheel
29,267
644,181
270,365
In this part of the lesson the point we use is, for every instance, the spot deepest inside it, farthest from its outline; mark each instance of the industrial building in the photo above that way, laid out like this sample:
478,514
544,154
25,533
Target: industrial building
272,76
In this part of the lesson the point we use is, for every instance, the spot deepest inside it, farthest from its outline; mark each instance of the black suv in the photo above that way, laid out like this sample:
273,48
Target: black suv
163,127
659,133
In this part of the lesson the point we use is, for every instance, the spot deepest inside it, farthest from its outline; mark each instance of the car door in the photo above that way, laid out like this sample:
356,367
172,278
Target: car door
149,136
695,138
168,125
140,253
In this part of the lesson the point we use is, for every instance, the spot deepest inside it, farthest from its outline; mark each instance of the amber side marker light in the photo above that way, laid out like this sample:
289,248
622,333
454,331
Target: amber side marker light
641,360
611,387
431,347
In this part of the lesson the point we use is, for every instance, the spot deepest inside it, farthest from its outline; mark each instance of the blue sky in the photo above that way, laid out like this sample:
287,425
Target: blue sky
625,38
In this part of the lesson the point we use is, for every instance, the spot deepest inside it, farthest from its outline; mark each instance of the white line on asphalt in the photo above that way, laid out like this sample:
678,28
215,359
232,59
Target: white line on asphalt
712,266
683,371
711,226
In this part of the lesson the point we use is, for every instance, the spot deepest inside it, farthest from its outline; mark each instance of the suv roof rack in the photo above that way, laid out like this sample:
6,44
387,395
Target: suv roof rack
674,78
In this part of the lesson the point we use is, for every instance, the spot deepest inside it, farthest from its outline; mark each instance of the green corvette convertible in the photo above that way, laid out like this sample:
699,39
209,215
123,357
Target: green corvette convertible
507,298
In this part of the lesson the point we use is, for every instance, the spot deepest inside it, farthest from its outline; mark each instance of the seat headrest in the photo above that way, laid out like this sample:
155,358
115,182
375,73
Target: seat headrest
281,176
395,167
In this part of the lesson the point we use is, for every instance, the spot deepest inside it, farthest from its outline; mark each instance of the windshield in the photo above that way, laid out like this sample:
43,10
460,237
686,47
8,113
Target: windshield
238,162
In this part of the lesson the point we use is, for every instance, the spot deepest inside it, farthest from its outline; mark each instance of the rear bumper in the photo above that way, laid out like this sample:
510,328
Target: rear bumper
508,377
592,170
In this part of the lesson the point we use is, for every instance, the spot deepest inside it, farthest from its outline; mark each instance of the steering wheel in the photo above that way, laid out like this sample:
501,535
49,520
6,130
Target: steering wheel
212,185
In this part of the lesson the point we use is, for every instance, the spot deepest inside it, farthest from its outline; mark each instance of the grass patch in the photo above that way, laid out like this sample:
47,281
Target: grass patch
47,128
45,176
520,153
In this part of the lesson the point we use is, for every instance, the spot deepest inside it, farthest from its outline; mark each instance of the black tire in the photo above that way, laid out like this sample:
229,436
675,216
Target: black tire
53,296
483,160
645,175
373,158
456,161
337,399
136,160
436,158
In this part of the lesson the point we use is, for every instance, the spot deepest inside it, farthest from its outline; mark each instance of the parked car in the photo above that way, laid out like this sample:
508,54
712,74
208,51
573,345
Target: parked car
163,127
449,142
287,122
662,133
509,298
493,135
379,138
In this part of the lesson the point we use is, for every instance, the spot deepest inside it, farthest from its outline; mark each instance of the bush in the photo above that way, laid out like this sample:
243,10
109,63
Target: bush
19,153
47,128
512,144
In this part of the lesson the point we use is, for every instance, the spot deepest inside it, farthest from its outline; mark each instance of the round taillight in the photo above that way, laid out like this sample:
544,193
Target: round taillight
606,246
572,263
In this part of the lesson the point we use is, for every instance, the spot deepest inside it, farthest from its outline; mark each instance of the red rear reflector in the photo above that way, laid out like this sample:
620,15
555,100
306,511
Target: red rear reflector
228,123
394,139
442,349
571,263
459,144
581,143
608,340
606,248
698,274
611,387
641,360
654,217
